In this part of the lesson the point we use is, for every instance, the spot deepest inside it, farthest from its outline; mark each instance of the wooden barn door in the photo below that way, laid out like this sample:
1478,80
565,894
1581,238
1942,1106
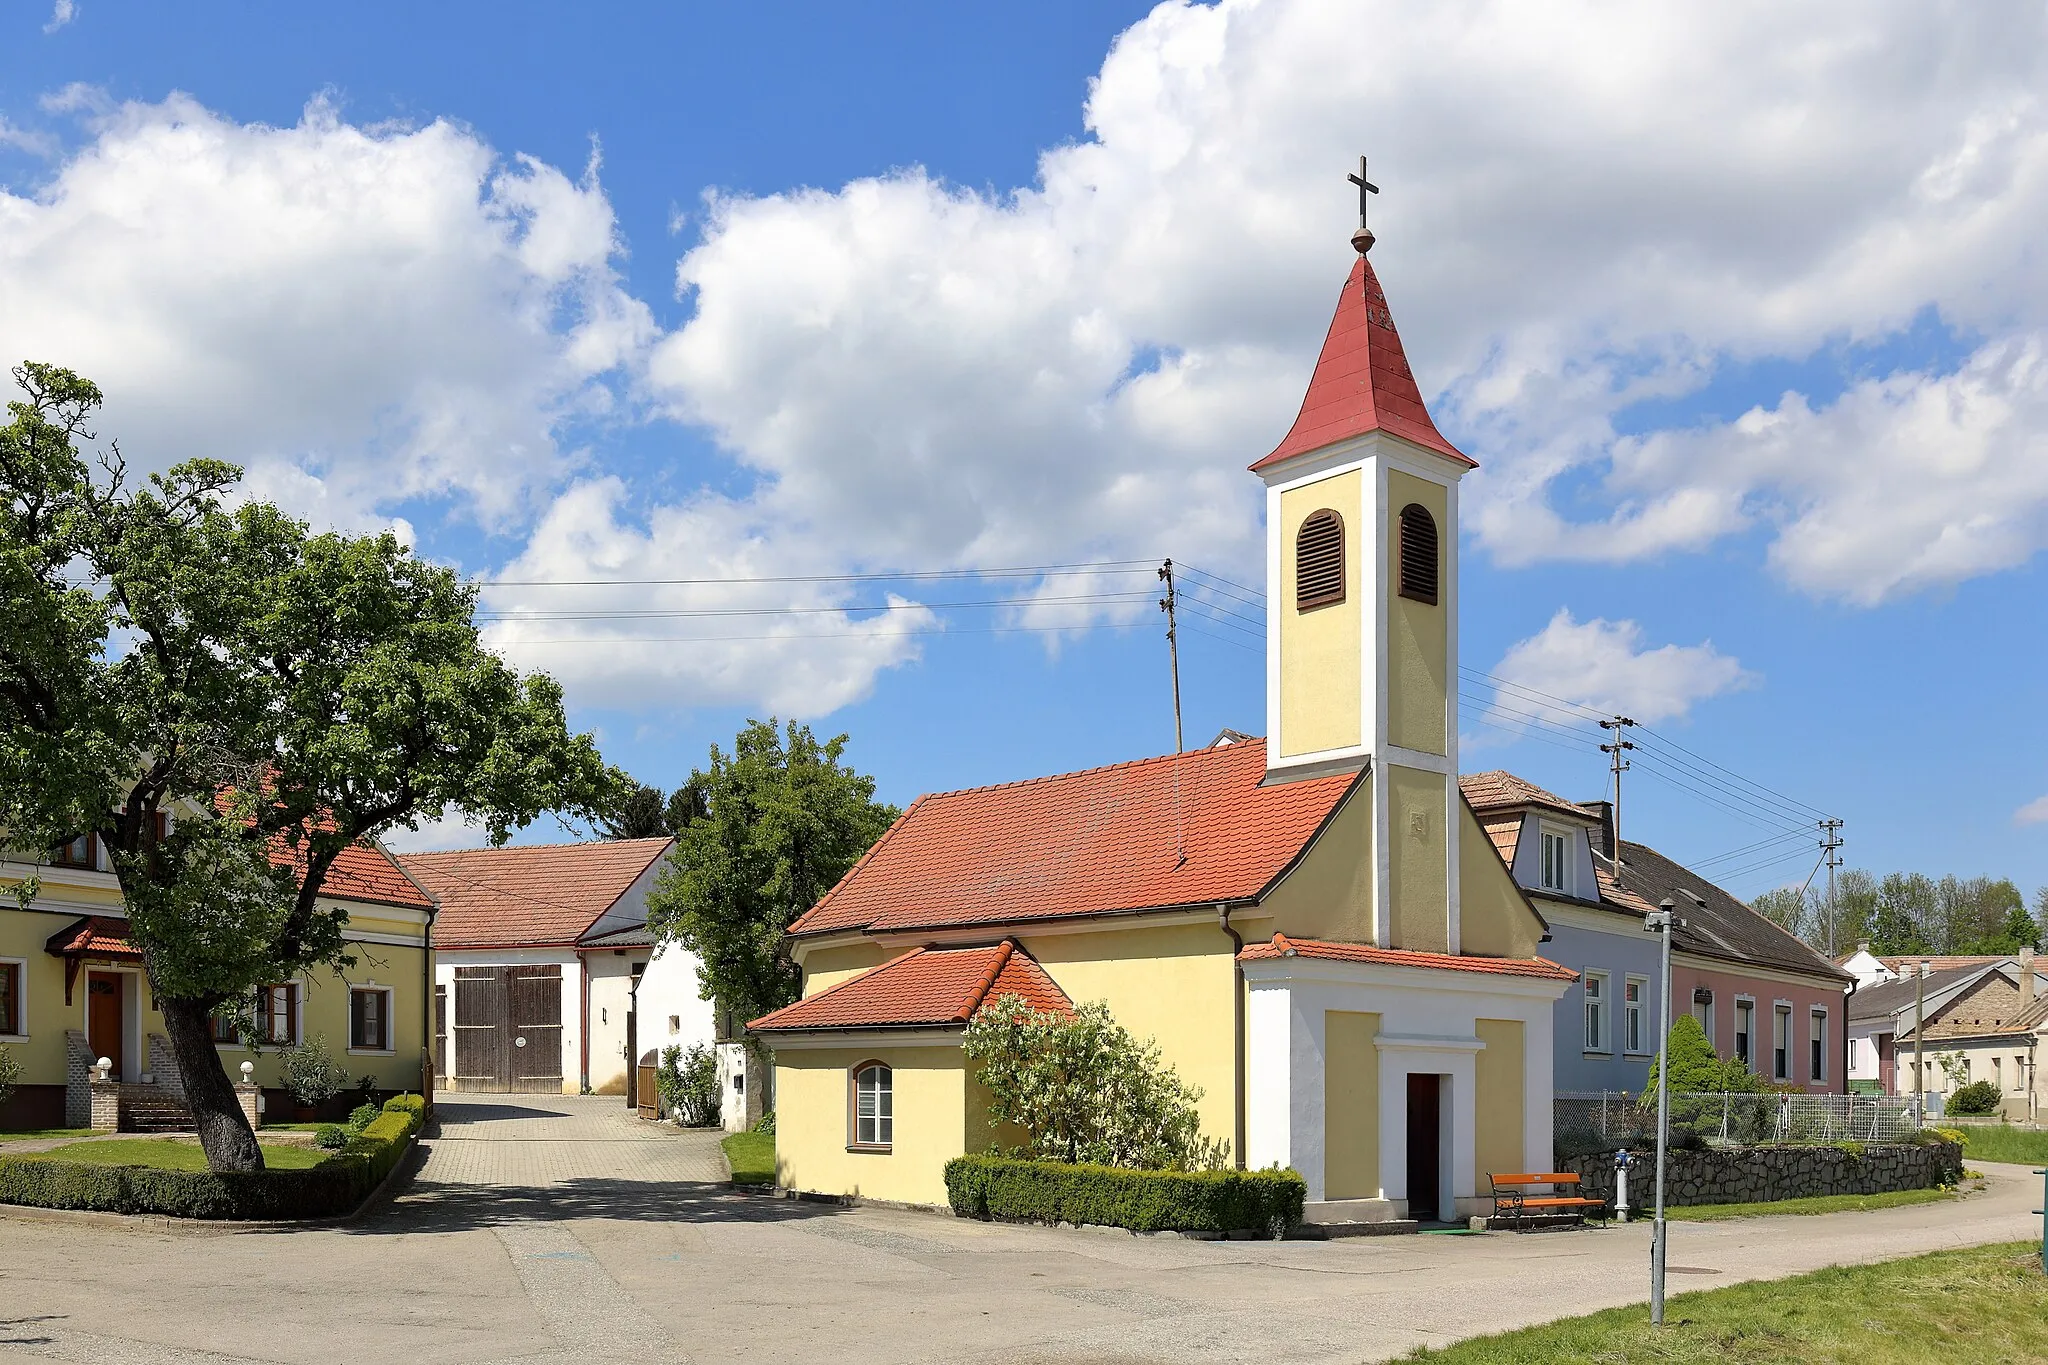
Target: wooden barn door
481,1036
535,998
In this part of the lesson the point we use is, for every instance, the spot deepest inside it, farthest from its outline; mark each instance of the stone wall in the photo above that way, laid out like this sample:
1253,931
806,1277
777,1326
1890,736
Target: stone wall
1756,1175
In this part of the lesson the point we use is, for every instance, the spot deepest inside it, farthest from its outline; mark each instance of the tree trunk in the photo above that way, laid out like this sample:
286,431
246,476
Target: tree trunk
224,1131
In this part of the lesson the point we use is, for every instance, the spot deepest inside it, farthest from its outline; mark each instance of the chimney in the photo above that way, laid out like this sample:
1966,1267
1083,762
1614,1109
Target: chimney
1604,841
2026,975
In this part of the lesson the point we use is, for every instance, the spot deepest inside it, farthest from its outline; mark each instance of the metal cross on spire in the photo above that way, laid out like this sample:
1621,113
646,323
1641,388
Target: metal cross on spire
1363,238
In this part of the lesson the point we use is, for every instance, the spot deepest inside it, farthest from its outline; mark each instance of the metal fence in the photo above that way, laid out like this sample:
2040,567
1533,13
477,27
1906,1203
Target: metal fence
1609,1119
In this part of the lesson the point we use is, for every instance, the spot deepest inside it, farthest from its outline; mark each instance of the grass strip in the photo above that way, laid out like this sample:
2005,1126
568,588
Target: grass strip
752,1157
45,1134
171,1154
1822,1203
1984,1304
2003,1142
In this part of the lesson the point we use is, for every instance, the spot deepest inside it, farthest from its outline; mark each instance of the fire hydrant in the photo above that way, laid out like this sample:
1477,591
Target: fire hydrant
1623,1160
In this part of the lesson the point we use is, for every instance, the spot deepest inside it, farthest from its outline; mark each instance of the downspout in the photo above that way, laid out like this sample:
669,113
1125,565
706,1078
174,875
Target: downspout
583,1021
1236,1034
427,1050
1843,1031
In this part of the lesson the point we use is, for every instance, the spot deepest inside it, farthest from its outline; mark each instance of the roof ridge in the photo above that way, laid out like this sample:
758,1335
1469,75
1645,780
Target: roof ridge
1083,772
1004,952
535,848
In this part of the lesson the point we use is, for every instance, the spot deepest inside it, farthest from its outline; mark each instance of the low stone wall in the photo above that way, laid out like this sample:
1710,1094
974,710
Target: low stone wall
1756,1175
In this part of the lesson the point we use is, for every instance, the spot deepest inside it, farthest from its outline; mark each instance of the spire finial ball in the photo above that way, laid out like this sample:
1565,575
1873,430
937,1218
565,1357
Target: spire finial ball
1362,240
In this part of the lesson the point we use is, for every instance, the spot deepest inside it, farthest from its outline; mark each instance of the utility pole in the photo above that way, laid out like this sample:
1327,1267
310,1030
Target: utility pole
1618,724
1167,605
1830,841
1661,921
1919,1027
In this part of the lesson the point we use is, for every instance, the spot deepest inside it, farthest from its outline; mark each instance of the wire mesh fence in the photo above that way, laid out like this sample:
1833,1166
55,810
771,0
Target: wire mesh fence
1606,1120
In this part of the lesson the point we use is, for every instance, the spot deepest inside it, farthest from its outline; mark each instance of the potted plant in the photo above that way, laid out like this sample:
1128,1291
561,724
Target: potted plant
311,1077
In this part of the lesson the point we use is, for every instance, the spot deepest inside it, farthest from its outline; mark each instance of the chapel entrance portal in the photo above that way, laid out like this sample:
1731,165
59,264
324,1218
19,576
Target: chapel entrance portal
106,1032
1425,1169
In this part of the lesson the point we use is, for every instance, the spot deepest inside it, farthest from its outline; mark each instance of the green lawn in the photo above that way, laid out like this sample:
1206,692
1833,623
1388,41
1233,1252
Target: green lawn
37,1134
1824,1203
752,1156
170,1154
1987,1304
2003,1142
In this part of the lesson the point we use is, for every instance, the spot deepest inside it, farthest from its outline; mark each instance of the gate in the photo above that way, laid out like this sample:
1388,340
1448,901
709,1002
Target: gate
508,1029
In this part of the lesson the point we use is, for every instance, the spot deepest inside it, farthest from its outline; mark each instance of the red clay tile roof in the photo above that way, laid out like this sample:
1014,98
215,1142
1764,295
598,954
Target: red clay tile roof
1191,829
95,936
530,896
933,987
1362,381
1506,833
365,872
1283,946
1498,790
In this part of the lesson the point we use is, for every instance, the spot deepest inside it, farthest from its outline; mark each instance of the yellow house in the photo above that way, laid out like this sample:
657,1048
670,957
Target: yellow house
1314,928
73,990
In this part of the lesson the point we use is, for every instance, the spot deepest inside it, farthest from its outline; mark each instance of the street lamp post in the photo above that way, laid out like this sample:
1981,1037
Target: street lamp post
1661,922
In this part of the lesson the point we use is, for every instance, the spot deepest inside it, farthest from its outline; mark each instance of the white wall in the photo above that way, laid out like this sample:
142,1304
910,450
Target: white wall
447,960
671,1014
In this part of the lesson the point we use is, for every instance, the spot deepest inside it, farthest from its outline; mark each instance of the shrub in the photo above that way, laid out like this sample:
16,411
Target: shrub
766,1123
1979,1097
310,1074
1145,1201
688,1080
10,1074
1083,1089
406,1104
331,1136
361,1117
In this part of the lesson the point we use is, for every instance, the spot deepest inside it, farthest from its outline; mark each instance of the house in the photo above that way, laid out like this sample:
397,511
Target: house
1871,969
73,990
1762,996
541,957
1313,926
1987,1018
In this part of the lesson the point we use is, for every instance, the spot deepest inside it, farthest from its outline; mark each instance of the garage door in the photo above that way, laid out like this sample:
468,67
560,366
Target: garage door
508,1029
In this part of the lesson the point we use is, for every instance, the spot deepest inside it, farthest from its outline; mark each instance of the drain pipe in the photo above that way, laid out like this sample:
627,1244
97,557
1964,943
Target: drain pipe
1236,1033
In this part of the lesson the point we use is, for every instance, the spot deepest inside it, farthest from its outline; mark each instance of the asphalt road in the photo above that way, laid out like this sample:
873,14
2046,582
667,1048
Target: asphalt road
560,1229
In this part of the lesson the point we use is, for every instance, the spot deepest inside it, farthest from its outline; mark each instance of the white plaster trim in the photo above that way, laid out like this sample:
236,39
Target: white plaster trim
386,940
1417,758
1454,800
1427,1042
20,998
390,1023
1328,971
1273,582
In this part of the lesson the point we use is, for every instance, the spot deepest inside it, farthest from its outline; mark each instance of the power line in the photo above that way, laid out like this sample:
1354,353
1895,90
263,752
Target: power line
1012,571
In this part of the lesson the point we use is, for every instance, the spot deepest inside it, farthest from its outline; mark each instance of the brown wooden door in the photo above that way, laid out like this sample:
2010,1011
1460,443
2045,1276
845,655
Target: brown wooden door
481,1036
103,1026
534,997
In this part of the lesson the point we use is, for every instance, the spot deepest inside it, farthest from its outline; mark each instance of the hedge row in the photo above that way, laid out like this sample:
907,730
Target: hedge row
336,1186
1011,1190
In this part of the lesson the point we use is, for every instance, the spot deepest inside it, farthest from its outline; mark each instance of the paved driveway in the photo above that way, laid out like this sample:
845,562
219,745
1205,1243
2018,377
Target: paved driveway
559,1229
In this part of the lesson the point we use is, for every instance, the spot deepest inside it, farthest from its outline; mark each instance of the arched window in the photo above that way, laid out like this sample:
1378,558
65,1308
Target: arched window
874,1120
1418,554
1319,561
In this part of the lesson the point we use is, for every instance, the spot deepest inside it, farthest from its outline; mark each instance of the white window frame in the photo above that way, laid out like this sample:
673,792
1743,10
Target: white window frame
298,1019
882,1137
1781,1040
1817,1044
1544,835
1598,1025
1636,1014
2019,1073
1745,1005
20,965
390,1049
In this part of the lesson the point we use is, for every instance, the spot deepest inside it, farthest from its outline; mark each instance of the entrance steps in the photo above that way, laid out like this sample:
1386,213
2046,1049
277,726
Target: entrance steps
150,1109
1354,1218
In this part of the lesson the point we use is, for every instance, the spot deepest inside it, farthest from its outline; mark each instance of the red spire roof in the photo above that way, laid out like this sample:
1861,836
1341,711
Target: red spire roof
1362,381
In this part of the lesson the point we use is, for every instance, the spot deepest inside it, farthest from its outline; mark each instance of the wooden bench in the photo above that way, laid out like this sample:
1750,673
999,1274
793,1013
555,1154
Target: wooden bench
1513,1201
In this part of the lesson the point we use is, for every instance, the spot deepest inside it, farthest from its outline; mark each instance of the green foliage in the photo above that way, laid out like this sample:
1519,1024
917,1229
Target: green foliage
10,1074
1696,1068
171,1154
751,1156
766,1123
361,1117
782,820
2002,1142
331,1136
1145,1201
309,1073
1978,1097
407,1104
689,1084
1084,1090
172,648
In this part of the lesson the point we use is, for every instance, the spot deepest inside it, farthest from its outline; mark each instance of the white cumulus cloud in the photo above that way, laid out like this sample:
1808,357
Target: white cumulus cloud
2035,812
1571,667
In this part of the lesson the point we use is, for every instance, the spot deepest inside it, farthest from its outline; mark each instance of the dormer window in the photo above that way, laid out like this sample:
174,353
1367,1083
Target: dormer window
1554,874
1418,554
1319,561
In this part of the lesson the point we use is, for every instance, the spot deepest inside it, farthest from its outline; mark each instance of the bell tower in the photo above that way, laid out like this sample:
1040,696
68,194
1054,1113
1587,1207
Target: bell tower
1362,601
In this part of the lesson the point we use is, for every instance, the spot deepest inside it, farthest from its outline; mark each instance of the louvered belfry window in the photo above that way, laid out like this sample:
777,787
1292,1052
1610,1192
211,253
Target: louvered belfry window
1319,561
1418,554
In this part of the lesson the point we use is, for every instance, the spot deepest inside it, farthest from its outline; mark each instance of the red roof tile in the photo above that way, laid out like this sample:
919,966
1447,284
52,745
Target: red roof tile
364,872
532,895
1362,381
1283,946
1184,829
933,987
95,936
1497,790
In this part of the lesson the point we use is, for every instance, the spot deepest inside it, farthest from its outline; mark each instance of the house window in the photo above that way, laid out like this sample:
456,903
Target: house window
1745,1030
1703,1010
1319,561
1596,1011
79,851
2019,1073
277,1009
13,1020
1781,1043
1632,995
369,1019
874,1125
1556,868
1817,1041
1418,554
1998,1072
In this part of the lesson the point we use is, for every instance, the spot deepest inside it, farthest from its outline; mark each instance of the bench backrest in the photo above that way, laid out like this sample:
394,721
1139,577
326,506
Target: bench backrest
1535,1178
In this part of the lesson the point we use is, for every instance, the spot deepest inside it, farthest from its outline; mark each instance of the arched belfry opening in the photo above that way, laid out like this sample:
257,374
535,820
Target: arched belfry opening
1319,561
1419,557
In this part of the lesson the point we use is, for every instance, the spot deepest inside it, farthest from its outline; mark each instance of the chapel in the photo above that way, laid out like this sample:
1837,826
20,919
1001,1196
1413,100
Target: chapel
1313,926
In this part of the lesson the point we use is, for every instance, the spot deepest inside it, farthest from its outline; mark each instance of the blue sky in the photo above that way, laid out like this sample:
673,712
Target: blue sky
1750,349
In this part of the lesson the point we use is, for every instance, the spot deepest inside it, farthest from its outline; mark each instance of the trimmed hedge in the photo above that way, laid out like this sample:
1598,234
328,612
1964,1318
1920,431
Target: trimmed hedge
336,1186
1011,1190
